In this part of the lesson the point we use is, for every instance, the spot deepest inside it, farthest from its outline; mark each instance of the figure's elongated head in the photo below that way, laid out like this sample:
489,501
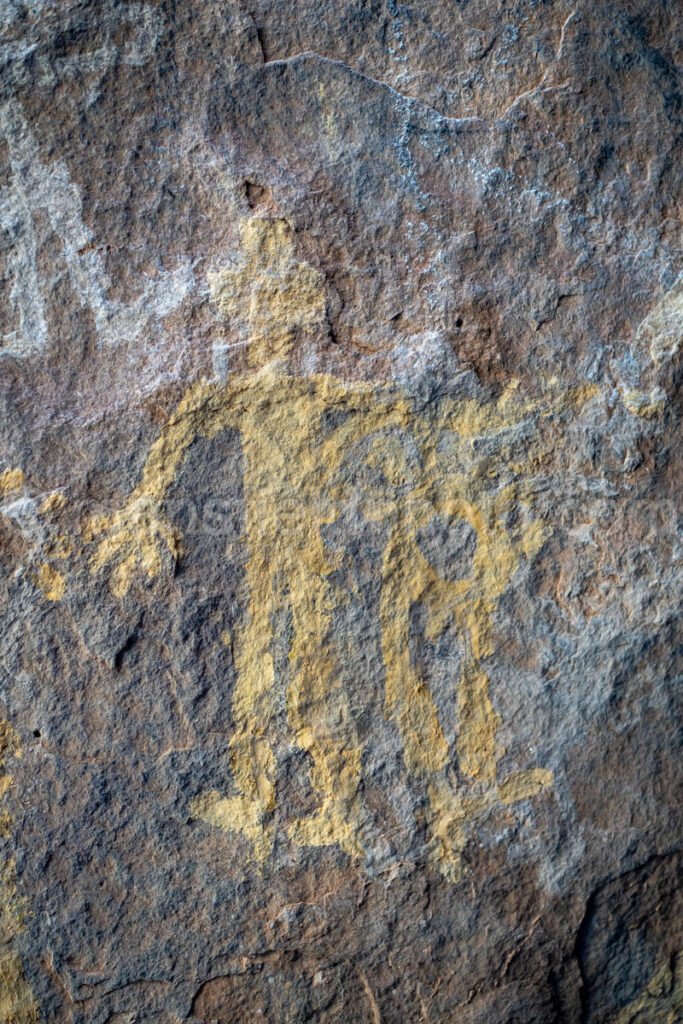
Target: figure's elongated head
270,296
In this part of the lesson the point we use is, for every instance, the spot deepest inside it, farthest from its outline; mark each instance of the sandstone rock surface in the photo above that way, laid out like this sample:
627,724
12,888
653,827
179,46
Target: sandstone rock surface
340,553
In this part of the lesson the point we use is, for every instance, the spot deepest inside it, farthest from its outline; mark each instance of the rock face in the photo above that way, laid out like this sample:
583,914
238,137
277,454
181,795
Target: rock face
340,578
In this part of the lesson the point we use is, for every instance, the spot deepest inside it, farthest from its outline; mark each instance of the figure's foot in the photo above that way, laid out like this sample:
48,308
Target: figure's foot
237,814
450,813
449,862
446,828
335,823
524,785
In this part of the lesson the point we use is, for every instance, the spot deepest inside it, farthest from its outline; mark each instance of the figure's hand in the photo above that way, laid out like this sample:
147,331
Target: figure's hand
134,538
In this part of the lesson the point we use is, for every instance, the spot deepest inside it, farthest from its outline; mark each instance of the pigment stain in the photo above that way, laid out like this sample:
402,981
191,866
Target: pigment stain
50,582
17,1004
11,481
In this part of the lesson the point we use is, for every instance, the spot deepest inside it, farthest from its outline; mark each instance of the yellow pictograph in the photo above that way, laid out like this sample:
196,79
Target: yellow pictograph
17,1002
302,439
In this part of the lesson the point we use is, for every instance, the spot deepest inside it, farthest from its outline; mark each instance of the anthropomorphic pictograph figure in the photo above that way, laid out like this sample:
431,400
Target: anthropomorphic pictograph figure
296,460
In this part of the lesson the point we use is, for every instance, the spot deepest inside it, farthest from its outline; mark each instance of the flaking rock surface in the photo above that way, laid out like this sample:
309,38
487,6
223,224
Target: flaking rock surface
340,563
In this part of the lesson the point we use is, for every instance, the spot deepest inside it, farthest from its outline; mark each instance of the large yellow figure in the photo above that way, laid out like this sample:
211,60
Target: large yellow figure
298,460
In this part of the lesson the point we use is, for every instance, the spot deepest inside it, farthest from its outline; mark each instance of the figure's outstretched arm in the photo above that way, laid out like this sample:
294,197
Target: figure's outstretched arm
138,536
471,418
204,410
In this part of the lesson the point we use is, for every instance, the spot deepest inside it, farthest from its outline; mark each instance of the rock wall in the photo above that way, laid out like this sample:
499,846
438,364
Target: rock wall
340,562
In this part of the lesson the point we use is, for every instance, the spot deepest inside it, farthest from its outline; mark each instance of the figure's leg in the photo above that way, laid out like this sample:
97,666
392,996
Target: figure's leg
410,704
408,701
478,720
320,717
478,724
251,756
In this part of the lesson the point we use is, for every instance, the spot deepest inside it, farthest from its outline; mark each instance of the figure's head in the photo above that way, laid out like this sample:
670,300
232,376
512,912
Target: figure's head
269,295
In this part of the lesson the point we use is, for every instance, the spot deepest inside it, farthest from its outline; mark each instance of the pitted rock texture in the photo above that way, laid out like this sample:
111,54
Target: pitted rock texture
340,555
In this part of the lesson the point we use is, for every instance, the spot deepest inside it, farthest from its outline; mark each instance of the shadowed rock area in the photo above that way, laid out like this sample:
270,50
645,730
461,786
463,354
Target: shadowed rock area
340,551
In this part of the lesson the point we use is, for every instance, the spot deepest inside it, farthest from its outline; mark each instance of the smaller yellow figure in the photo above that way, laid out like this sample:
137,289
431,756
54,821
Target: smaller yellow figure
296,460
445,481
